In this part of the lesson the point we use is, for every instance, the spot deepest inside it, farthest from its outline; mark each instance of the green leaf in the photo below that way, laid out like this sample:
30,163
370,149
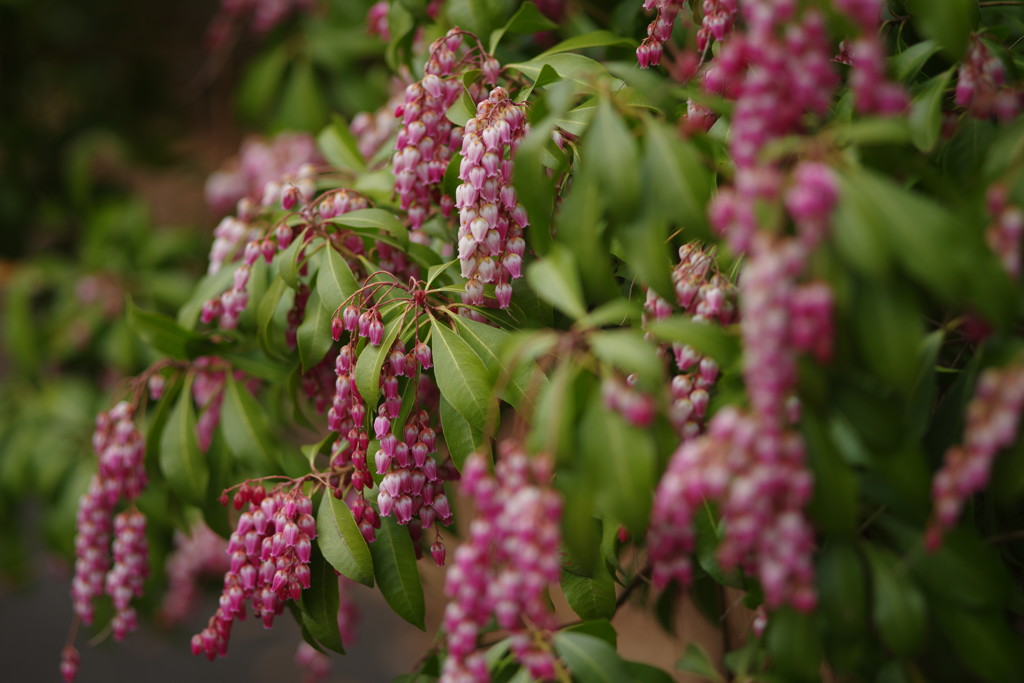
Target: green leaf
288,261
261,82
610,148
164,334
926,112
843,590
638,672
899,610
678,183
320,604
627,351
335,281
708,339
794,643
590,597
461,376
487,341
581,225
556,280
948,23
480,17
244,425
527,19
339,146
590,659
377,219
697,661
462,110
598,628
625,458
266,312
371,360
460,436
341,542
984,642
587,40
314,334
301,105
908,63
394,565
181,461
582,71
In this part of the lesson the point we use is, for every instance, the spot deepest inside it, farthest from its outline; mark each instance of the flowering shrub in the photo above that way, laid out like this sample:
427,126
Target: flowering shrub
729,304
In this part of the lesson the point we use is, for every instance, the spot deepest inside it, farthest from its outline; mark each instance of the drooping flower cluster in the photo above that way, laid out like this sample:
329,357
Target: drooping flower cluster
705,295
872,92
411,489
659,31
1006,229
981,86
373,129
503,569
427,139
203,553
992,421
269,563
277,162
760,485
491,219
121,476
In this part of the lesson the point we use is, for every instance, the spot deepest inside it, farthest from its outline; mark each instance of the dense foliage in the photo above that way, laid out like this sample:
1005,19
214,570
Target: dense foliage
616,299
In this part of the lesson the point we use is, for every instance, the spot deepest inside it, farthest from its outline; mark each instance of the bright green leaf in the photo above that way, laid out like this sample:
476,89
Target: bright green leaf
181,461
341,542
394,565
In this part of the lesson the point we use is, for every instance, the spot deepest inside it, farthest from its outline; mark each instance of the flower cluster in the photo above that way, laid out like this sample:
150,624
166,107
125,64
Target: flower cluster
269,563
285,159
760,485
427,139
705,295
992,420
658,32
503,569
620,396
121,476
872,92
200,554
491,219
1006,229
373,129
981,86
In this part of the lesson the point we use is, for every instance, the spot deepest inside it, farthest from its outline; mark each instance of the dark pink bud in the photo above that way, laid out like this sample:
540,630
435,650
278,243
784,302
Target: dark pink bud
403,509
437,551
337,328
375,331
303,549
442,507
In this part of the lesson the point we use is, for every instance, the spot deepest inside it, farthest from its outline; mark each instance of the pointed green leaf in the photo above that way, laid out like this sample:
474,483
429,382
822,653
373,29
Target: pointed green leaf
394,565
710,340
462,110
487,341
314,334
341,542
926,112
320,604
556,280
377,219
590,597
627,351
371,360
587,40
244,425
165,335
335,281
899,610
181,461
461,376
339,146
460,436
527,19
697,661
590,659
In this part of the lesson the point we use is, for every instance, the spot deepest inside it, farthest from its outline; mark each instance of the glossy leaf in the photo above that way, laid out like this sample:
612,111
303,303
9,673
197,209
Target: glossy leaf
556,280
527,19
517,385
710,340
590,597
339,146
341,542
697,661
181,461
314,334
600,38
320,604
627,351
590,659
165,335
244,425
335,282
394,565
926,112
371,360
461,376
899,610
462,437
376,219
